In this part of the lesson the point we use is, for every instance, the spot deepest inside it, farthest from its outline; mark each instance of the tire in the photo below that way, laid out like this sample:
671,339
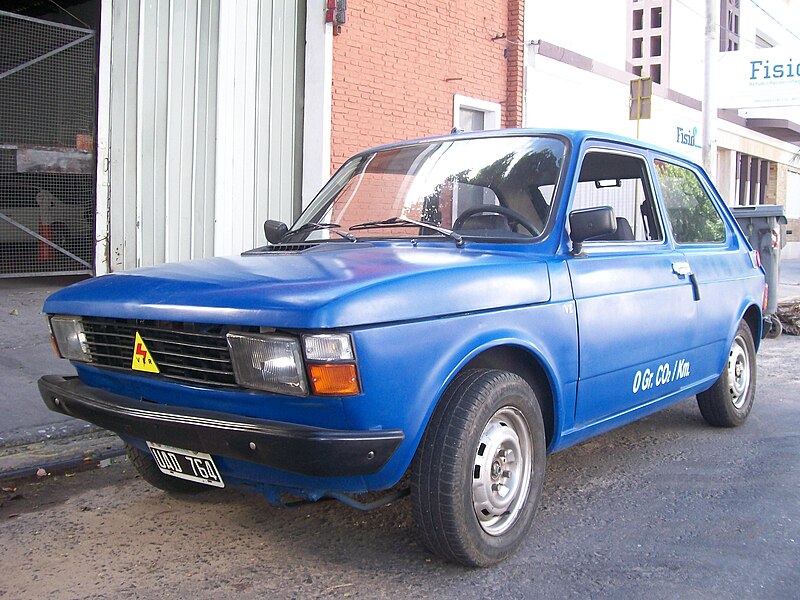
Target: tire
776,328
728,402
147,468
476,479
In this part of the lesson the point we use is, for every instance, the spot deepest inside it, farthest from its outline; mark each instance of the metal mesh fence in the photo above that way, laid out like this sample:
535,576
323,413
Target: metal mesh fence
47,147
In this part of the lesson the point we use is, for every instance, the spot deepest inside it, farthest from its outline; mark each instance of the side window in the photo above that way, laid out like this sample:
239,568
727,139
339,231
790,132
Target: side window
619,181
692,215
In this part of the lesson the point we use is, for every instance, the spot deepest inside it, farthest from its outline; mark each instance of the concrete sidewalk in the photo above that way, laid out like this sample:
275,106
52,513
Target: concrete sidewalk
789,280
31,436
26,354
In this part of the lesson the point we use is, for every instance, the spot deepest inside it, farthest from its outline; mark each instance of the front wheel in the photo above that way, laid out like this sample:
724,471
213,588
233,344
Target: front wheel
728,402
148,469
477,477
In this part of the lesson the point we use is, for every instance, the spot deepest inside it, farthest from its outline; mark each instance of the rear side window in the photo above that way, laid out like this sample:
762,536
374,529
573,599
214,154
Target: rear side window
692,215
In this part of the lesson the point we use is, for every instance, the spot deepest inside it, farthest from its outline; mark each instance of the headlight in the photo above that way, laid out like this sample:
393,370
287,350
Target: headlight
328,347
70,338
272,363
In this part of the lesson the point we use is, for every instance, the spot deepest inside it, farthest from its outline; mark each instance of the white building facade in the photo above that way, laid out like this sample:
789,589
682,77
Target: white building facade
214,115
578,72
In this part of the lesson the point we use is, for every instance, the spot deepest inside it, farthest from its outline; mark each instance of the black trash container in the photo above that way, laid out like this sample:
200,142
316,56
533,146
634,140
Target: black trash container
765,228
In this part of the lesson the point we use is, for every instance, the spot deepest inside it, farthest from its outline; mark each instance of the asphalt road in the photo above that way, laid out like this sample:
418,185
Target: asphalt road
663,508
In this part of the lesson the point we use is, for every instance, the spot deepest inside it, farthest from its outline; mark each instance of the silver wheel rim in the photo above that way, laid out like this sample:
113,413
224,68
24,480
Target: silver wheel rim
738,372
502,472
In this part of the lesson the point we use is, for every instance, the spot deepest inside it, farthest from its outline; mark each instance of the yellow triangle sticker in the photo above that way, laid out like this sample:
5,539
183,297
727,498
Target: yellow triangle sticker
142,359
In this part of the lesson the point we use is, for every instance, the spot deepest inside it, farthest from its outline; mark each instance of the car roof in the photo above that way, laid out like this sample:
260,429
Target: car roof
575,136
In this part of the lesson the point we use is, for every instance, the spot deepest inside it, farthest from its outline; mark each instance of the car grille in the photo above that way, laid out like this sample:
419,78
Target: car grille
195,353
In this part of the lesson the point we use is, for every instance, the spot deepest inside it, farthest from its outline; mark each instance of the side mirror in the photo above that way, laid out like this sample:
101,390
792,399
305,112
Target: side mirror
275,231
589,223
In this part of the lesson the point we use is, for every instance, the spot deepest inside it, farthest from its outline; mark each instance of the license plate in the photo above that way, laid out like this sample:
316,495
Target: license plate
186,464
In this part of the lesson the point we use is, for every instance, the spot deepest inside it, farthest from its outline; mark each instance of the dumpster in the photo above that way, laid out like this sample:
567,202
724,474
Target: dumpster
765,228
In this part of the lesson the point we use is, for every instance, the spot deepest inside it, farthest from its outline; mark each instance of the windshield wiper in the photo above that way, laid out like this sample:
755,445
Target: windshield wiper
312,226
402,221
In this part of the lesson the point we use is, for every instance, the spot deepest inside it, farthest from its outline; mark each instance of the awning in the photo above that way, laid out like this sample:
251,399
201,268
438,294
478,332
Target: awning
783,129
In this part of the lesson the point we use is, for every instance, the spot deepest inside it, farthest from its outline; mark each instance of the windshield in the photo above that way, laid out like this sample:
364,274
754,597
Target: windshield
500,187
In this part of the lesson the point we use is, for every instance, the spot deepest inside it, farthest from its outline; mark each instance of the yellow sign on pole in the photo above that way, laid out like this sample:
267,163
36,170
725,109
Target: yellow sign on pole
641,98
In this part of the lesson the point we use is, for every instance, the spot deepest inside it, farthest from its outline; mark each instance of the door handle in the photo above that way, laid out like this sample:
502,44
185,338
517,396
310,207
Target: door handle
682,269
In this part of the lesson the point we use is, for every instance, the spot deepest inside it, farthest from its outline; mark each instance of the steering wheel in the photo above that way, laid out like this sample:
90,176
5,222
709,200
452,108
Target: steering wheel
509,213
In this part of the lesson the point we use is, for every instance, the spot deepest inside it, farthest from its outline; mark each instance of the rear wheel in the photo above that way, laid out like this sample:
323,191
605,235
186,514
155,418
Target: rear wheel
775,327
148,469
477,477
728,402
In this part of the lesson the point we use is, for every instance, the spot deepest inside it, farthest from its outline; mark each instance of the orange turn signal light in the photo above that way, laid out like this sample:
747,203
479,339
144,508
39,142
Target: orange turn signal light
338,379
55,345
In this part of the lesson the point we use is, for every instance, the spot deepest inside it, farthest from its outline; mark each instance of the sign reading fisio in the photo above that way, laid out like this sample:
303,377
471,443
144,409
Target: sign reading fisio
687,136
759,78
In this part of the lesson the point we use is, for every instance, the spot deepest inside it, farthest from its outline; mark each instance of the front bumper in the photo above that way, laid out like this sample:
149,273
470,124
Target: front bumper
285,446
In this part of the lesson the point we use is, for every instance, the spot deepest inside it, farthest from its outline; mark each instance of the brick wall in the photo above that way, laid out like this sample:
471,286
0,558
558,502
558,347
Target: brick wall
397,65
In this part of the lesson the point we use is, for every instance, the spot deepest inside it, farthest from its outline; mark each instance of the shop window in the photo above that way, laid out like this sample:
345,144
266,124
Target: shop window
752,178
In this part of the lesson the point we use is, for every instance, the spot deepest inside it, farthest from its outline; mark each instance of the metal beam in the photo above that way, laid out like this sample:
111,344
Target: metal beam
45,56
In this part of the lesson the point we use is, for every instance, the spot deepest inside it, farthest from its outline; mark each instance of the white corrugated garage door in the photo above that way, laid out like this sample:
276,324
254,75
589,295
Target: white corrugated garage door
200,126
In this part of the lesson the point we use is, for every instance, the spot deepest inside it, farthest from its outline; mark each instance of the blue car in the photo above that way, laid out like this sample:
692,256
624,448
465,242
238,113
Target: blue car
453,308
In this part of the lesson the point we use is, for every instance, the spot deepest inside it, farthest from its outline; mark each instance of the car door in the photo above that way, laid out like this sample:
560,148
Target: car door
635,298
719,266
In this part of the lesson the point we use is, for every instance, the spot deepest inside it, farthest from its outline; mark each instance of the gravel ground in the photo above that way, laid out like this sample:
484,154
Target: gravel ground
664,508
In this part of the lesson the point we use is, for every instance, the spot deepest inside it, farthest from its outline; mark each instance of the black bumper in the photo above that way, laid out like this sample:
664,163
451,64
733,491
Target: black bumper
288,447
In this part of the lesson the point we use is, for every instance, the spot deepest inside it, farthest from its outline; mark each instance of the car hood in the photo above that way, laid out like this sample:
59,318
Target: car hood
331,285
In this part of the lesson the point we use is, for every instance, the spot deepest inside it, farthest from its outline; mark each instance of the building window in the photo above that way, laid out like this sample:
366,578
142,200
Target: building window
655,73
638,20
648,36
471,119
655,46
636,50
729,25
471,114
655,17
752,178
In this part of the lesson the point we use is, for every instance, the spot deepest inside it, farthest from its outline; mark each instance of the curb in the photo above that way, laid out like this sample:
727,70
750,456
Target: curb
74,453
